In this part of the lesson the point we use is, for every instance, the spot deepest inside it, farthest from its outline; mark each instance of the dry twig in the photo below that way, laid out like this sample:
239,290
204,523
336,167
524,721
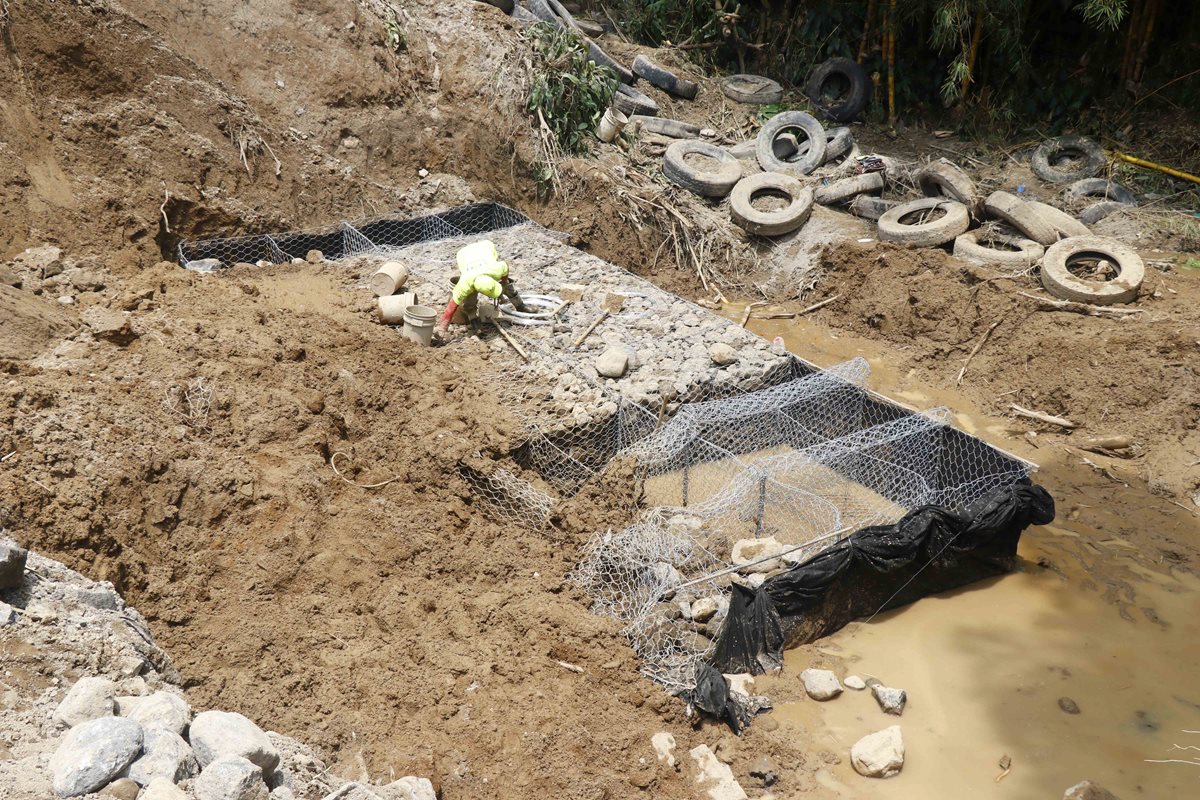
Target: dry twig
336,471
1081,308
1038,415
974,350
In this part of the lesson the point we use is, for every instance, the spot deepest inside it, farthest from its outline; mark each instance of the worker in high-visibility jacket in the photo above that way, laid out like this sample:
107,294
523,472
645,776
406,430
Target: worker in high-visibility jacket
481,272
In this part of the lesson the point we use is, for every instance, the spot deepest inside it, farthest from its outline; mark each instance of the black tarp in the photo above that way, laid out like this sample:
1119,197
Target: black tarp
931,549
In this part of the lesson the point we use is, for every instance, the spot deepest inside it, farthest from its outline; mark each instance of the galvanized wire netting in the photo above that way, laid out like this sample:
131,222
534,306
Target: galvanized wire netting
744,487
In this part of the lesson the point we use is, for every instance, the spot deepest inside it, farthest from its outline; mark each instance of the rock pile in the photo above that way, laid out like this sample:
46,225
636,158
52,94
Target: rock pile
104,713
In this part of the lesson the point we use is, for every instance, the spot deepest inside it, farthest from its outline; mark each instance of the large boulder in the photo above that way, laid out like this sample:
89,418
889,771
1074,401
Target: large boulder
880,754
164,755
12,563
163,709
93,753
162,789
230,777
820,684
89,698
222,733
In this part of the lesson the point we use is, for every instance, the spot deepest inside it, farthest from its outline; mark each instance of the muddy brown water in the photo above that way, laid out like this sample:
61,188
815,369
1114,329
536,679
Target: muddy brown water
1082,620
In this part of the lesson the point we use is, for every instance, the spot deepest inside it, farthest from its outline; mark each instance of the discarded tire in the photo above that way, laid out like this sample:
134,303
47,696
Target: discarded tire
523,14
955,220
504,5
997,248
744,150
944,178
1017,213
1101,188
629,100
664,79
666,127
788,121
1063,223
839,88
869,207
1059,281
1053,150
838,143
752,89
1098,211
846,189
703,181
770,223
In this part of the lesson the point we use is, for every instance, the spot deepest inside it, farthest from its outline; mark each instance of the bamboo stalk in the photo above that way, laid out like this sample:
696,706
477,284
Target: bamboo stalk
1131,37
862,46
891,60
969,78
1154,6
1141,162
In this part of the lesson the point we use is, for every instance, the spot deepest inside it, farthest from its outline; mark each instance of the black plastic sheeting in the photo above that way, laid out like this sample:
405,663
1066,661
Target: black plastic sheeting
931,549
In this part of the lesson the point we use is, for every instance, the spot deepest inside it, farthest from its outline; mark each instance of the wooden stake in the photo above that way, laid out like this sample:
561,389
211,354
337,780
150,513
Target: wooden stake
603,316
512,342
749,308
815,306
1047,418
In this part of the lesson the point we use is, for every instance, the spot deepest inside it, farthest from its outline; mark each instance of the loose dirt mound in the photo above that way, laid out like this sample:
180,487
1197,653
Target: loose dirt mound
29,324
1134,376
191,467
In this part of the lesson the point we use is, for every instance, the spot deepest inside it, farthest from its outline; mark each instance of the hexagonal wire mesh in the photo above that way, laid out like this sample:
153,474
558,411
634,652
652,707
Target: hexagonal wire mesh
774,449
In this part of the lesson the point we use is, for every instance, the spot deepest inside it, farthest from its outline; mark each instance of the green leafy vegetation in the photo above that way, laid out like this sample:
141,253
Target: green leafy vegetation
397,39
568,92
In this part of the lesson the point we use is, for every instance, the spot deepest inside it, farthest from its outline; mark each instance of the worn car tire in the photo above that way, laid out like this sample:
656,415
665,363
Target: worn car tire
630,101
813,157
847,104
504,5
944,178
1102,210
1017,213
838,143
846,189
936,232
672,128
523,14
1058,280
972,246
1062,222
603,59
553,11
1102,189
1043,166
869,207
747,150
664,79
705,182
770,223
752,89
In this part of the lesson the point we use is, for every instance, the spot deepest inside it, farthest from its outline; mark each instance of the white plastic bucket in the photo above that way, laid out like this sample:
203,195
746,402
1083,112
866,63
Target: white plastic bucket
418,324
611,124
388,279
392,307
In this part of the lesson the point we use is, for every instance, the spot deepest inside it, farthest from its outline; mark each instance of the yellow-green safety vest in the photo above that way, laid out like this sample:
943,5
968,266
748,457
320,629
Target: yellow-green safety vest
480,270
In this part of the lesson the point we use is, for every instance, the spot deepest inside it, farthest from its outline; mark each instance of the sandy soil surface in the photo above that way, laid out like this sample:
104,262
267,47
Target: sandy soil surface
187,459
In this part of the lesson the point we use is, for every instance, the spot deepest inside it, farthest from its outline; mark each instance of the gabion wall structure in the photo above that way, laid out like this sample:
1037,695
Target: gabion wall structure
770,449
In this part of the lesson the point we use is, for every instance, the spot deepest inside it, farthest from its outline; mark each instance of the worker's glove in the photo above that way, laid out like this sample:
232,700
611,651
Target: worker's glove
439,334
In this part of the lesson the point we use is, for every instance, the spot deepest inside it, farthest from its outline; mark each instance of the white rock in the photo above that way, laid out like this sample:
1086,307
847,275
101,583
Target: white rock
854,682
221,733
613,362
230,778
665,575
714,777
722,354
66,300
1087,790
423,173
204,265
8,614
742,682
821,684
664,747
93,753
282,793
891,700
164,755
747,551
880,754
410,788
704,609
163,709
162,789
89,698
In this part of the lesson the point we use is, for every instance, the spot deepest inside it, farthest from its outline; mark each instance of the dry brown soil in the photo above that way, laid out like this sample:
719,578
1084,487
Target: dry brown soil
402,621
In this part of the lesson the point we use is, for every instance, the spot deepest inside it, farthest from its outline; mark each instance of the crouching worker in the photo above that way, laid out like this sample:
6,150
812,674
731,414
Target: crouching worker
481,272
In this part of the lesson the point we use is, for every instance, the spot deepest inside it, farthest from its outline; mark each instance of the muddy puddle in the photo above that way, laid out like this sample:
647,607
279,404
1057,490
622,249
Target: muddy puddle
988,669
